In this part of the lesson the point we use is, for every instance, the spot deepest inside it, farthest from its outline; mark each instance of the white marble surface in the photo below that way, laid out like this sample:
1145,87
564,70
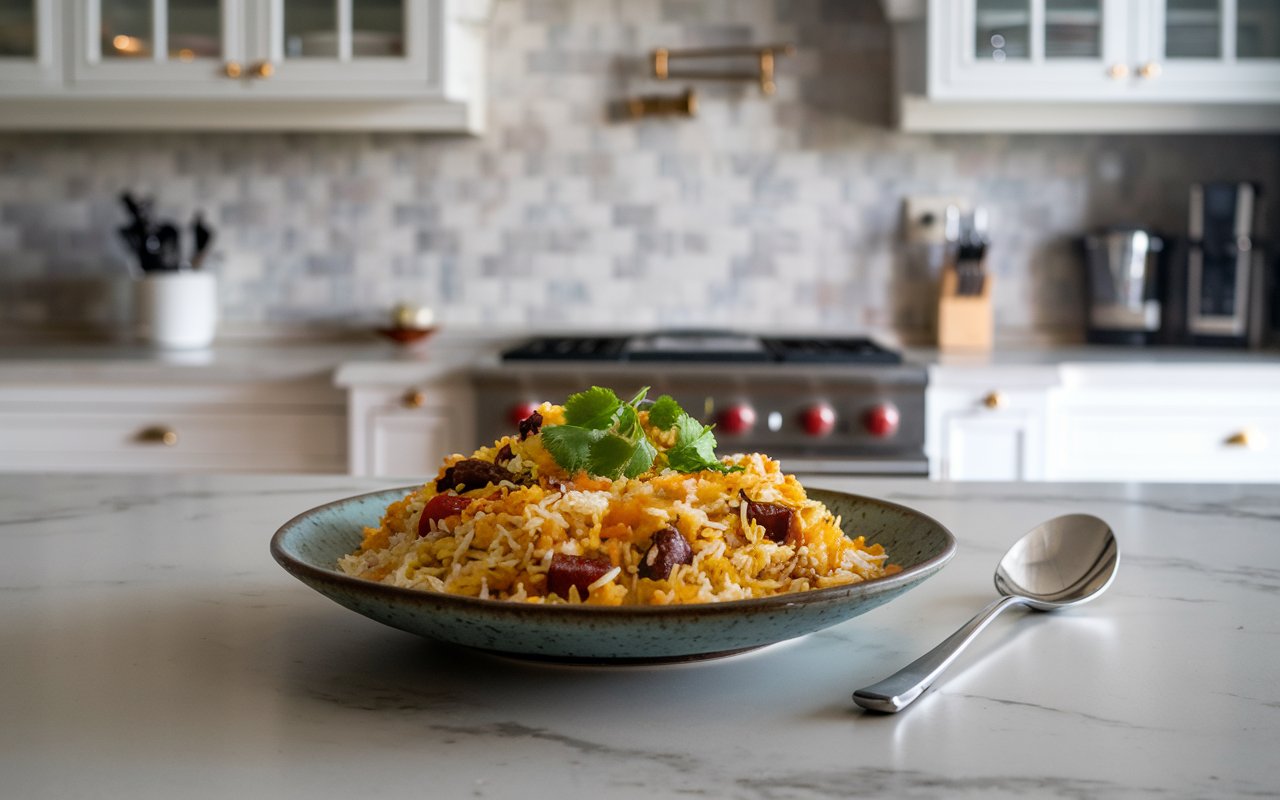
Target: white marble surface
150,648
104,362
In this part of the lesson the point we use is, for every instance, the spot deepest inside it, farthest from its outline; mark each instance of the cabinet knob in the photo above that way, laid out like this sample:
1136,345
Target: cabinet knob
414,398
263,69
158,435
1150,70
1245,439
994,400
1118,71
232,69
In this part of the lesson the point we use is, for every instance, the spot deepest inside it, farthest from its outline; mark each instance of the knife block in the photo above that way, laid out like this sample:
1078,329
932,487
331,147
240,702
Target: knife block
964,321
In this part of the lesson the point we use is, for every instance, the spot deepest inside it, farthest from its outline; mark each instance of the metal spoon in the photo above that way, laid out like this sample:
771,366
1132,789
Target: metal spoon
1066,561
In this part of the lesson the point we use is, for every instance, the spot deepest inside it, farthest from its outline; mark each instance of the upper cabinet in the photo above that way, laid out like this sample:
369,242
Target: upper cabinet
244,64
30,52
1088,64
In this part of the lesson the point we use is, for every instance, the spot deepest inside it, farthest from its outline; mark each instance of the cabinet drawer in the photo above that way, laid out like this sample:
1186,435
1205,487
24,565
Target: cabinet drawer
161,439
1169,445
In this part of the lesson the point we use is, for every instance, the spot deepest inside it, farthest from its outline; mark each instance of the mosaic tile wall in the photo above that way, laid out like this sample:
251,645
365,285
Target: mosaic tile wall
777,213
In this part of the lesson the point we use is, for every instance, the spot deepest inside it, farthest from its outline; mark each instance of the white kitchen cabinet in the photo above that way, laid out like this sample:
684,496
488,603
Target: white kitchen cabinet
987,424
1106,50
284,426
1089,65
258,64
1194,423
406,430
30,47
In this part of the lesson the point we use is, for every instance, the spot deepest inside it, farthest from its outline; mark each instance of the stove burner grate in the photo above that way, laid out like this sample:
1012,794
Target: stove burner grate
787,350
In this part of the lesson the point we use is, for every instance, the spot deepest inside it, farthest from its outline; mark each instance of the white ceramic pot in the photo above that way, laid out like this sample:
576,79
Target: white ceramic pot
177,309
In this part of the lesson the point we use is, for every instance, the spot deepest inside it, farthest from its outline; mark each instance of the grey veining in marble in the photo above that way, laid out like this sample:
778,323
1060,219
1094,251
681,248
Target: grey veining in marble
152,649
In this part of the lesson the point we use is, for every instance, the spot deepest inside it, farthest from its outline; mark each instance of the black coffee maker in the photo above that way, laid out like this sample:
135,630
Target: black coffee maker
1224,279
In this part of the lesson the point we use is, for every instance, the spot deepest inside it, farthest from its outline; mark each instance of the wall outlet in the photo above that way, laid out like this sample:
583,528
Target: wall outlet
924,217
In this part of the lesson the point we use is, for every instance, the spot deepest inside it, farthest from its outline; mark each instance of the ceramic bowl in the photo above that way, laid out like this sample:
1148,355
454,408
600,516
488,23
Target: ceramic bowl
310,544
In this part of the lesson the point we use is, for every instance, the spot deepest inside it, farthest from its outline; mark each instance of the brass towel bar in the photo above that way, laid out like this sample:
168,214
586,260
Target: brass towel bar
764,55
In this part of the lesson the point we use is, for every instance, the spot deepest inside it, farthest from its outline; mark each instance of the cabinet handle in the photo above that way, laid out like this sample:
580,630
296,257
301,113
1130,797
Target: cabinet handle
1245,439
263,69
994,400
414,399
1118,71
158,435
1150,70
232,69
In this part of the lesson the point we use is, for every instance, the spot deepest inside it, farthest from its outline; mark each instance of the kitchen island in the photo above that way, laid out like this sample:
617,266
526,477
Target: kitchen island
152,648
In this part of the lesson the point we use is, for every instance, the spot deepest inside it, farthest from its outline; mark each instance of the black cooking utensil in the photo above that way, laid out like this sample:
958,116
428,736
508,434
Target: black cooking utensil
170,247
203,237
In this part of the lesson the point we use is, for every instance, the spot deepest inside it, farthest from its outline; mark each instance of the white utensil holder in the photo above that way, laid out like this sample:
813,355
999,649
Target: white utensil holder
177,309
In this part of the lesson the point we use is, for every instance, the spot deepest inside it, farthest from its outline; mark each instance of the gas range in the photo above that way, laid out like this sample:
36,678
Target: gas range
819,404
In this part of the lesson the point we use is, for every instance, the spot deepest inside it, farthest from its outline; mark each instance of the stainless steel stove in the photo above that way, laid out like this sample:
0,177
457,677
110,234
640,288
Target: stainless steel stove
820,405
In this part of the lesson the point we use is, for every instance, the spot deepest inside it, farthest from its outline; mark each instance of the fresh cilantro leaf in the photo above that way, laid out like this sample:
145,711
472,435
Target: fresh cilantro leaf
664,412
603,436
569,445
595,409
641,459
695,448
629,423
609,455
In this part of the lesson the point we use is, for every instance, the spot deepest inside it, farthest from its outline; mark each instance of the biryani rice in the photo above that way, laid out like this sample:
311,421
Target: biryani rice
501,546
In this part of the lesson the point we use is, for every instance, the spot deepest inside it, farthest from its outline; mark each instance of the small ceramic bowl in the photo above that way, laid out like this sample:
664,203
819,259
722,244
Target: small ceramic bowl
310,544
406,336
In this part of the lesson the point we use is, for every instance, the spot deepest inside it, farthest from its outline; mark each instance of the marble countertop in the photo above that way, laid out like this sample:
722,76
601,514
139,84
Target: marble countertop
152,648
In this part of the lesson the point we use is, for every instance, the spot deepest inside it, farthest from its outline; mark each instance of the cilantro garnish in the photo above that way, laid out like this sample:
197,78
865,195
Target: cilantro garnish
603,436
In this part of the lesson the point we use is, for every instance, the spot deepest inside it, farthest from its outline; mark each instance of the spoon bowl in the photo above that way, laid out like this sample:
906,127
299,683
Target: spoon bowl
1063,562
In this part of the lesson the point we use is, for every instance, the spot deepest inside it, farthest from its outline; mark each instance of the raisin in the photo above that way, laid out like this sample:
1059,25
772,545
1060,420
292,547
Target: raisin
775,519
472,473
530,425
504,455
581,571
668,549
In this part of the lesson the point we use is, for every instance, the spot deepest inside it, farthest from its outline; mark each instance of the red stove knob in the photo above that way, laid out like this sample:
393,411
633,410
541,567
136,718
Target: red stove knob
520,412
736,419
818,419
882,421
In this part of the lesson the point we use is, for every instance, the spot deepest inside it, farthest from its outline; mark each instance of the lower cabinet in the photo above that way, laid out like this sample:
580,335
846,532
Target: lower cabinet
406,430
986,425
1199,424
1106,422
290,426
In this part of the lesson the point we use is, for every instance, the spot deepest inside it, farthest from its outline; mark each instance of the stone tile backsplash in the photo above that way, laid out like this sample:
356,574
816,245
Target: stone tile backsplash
764,213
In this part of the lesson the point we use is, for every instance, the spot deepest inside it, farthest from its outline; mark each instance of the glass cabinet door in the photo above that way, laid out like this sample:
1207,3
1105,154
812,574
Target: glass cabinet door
28,39
1257,30
1217,50
1024,48
161,42
374,46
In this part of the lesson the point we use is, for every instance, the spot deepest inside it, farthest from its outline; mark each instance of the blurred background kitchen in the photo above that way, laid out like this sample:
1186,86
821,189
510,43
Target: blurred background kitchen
520,167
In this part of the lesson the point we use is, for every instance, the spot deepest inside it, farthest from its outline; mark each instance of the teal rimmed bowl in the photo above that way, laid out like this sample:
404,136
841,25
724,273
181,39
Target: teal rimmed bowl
309,546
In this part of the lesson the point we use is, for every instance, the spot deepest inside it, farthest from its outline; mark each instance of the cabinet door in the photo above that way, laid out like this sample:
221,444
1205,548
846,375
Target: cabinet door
991,436
30,60
1214,50
1028,49
407,431
160,47
347,48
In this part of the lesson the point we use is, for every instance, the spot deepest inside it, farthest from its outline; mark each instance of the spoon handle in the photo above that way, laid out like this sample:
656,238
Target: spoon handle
900,689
